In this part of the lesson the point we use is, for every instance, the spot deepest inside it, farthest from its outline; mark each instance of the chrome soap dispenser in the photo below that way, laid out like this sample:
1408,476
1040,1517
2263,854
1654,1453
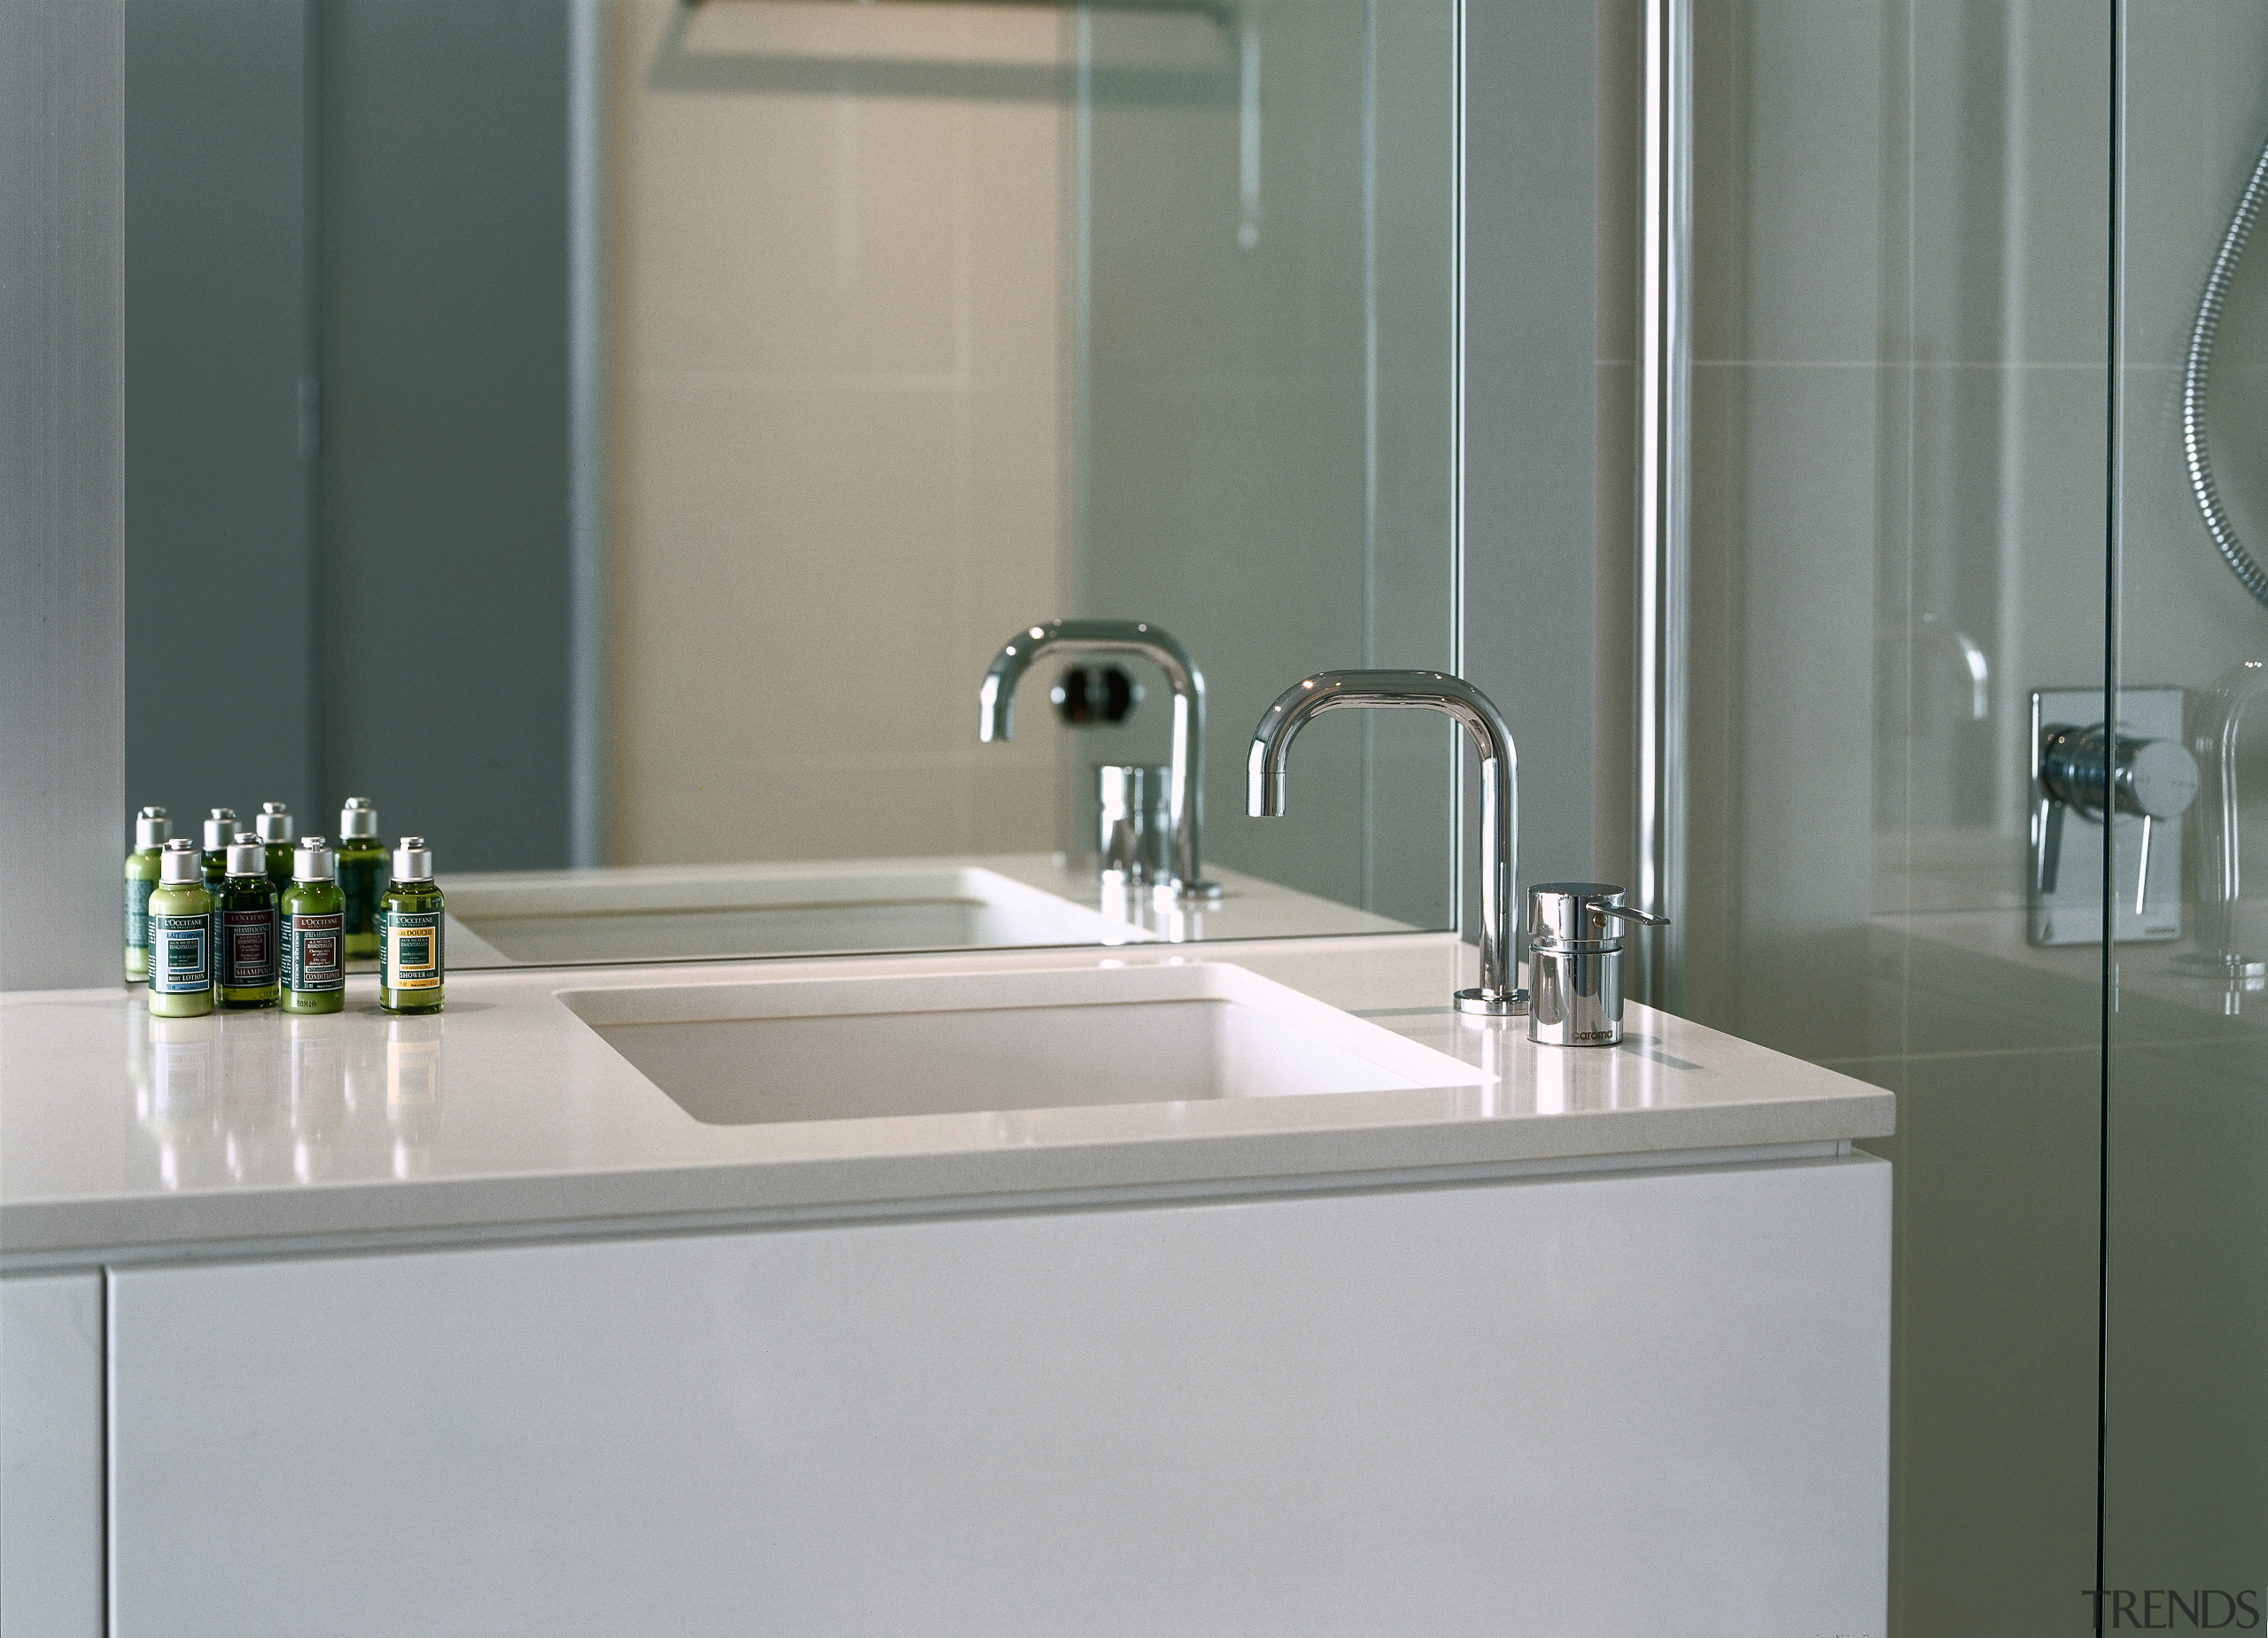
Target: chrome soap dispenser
1574,961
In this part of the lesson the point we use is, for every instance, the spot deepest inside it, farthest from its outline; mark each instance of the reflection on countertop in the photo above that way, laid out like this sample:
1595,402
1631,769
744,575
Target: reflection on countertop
270,1098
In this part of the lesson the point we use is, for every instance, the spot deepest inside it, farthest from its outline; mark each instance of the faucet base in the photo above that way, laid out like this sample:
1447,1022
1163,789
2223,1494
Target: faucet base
1480,1003
1207,891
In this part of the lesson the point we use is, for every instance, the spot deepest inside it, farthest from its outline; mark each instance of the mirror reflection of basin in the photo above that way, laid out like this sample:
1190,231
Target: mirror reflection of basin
965,1042
607,916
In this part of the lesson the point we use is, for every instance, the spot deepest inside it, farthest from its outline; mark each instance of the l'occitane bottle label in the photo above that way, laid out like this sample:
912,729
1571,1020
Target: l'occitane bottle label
247,948
139,889
409,949
314,952
180,954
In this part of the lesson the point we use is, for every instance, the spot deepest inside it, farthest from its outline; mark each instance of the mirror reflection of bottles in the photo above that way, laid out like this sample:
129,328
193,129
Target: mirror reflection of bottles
180,1112
151,830
318,1079
248,1093
314,932
361,875
274,825
180,935
410,932
219,827
413,1090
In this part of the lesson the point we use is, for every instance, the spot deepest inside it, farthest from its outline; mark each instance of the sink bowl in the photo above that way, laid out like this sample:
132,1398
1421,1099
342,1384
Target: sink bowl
608,916
965,1042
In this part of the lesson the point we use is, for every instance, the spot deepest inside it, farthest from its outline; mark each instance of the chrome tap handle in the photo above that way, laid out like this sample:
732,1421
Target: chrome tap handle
1185,779
2050,820
1601,911
2098,772
1267,764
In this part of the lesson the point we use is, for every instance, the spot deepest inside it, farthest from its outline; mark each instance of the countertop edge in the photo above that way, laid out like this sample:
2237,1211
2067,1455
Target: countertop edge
40,1233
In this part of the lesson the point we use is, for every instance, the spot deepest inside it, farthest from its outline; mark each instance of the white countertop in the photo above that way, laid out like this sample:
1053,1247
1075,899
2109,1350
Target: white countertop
505,1116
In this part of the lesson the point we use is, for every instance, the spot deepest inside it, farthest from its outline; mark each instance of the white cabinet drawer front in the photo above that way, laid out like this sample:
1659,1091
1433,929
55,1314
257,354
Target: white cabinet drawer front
52,1456
1650,1403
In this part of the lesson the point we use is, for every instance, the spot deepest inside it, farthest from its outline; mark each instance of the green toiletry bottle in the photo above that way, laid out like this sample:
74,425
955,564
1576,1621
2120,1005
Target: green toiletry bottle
314,932
275,828
151,830
248,970
409,933
180,935
361,875
219,830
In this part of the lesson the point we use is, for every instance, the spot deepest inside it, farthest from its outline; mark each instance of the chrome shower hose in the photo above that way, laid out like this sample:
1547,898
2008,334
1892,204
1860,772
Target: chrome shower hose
2196,367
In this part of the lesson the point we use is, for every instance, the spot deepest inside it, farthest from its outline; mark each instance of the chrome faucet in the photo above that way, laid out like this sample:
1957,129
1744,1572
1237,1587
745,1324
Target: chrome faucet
1184,779
1500,793
2217,955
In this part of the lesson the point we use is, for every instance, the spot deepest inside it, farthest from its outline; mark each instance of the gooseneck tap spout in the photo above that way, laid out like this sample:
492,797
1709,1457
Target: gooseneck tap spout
1499,793
1185,779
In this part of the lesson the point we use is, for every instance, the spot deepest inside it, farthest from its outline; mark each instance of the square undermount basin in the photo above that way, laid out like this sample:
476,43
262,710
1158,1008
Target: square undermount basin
969,1042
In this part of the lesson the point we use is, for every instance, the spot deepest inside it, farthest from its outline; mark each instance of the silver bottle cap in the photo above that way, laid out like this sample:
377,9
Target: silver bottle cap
413,860
313,861
246,857
183,861
358,817
274,823
152,827
219,828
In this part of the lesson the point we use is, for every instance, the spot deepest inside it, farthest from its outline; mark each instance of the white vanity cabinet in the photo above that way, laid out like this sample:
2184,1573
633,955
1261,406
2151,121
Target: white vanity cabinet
1605,1402
52,1456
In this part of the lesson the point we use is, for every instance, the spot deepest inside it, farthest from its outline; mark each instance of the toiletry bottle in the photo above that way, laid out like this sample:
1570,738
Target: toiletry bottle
274,826
180,935
361,875
248,969
151,830
314,932
409,933
219,830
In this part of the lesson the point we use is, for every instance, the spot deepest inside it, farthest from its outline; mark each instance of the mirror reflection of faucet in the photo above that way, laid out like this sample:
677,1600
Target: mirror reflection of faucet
1973,662
2219,954
1498,995
1134,827
1183,847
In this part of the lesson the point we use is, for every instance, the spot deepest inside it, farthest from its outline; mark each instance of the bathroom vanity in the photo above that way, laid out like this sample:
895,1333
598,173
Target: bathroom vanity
1254,1293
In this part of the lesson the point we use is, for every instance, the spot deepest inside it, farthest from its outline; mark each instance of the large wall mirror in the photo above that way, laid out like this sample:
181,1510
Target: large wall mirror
616,437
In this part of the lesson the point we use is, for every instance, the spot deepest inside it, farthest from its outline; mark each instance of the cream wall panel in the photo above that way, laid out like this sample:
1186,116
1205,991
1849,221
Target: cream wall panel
836,322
